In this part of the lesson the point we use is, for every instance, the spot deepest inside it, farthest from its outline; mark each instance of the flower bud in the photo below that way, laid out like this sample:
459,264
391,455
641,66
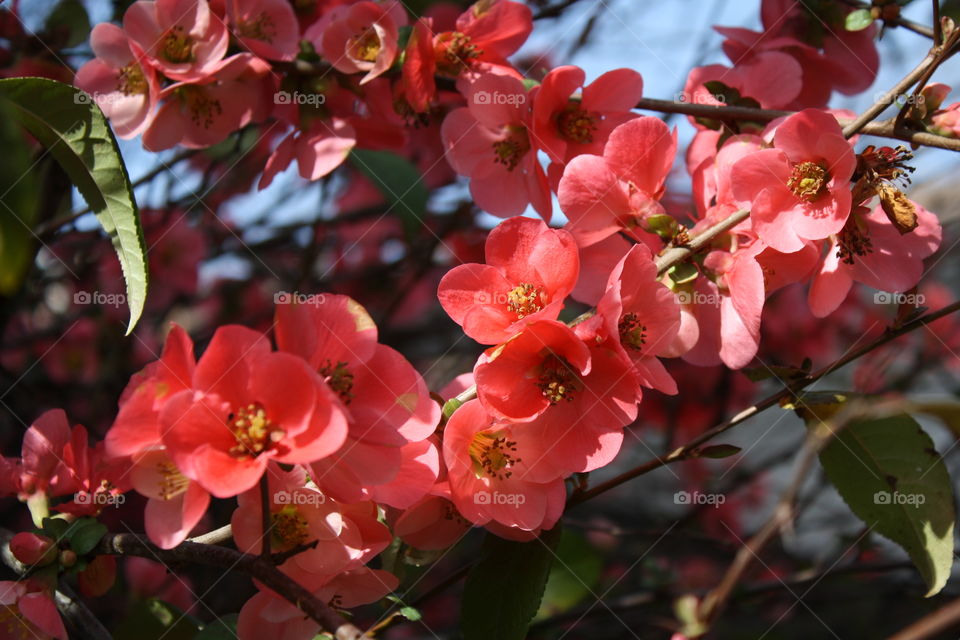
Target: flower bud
68,558
33,550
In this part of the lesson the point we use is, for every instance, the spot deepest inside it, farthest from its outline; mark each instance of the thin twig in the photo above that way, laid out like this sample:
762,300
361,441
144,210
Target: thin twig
688,449
257,567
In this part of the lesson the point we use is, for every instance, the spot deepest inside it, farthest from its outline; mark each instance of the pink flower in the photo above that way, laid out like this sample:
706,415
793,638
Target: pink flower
489,141
487,473
346,536
850,57
386,401
318,150
643,315
602,195
183,39
565,127
800,189
201,114
29,612
360,37
175,503
549,368
485,35
530,270
431,524
247,406
268,28
126,90
870,250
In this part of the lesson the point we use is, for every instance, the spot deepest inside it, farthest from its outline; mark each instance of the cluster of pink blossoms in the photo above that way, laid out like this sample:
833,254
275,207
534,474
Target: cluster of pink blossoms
342,429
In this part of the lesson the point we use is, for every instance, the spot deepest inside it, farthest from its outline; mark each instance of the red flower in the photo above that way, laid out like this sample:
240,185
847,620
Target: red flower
530,270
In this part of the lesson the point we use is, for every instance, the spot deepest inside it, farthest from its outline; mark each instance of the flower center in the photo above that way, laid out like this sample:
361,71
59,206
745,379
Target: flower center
557,380
576,124
511,149
492,455
633,333
338,378
289,528
177,46
455,53
259,28
808,180
853,241
253,430
172,482
365,45
131,80
526,299
202,108
13,625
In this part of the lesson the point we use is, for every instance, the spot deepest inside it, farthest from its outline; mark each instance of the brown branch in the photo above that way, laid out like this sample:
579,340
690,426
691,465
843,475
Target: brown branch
885,129
258,567
918,76
790,390
931,624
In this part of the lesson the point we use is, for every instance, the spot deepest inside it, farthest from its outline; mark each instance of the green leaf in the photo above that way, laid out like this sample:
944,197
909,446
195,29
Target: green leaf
573,576
19,186
73,129
503,590
68,24
84,535
683,273
399,182
888,472
55,528
858,20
